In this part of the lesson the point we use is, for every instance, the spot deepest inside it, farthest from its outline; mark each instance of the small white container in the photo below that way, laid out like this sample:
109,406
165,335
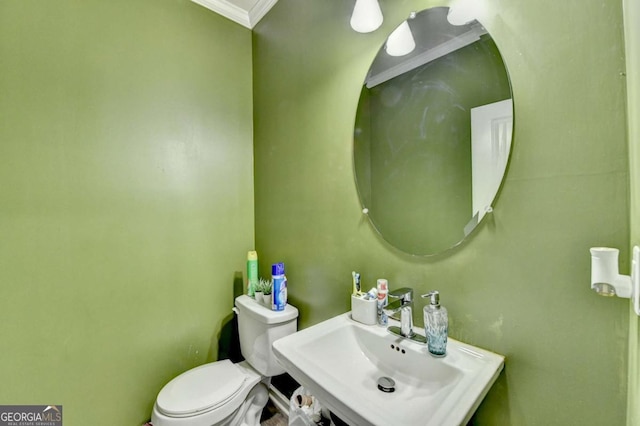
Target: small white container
267,300
364,311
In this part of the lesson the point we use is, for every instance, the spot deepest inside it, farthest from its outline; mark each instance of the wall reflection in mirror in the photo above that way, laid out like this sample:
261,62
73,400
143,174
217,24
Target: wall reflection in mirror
433,134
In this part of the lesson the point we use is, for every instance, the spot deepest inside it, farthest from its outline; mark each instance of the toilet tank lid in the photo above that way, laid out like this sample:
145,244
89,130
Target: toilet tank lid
246,304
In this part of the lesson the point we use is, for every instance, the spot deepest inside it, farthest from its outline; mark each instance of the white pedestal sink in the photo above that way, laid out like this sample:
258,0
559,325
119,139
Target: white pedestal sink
340,362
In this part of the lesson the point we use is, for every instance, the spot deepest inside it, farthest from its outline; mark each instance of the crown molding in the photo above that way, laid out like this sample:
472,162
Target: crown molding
229,9
260,9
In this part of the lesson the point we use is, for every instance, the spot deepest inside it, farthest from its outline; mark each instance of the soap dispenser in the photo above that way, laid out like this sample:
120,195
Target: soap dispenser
436,325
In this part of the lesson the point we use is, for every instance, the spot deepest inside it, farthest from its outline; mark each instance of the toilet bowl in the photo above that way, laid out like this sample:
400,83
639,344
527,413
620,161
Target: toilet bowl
223,393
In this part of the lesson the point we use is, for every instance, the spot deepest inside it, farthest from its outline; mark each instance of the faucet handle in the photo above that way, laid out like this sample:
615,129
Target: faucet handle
405,294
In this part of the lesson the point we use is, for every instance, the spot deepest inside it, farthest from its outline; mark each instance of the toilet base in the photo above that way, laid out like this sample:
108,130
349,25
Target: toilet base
255,403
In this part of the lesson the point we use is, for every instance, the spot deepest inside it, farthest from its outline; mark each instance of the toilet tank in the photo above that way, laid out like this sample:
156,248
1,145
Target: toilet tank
258,328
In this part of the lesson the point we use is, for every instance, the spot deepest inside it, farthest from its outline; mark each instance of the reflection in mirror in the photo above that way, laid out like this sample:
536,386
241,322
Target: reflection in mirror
433,135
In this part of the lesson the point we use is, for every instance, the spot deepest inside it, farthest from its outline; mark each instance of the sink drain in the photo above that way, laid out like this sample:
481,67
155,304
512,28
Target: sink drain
386,384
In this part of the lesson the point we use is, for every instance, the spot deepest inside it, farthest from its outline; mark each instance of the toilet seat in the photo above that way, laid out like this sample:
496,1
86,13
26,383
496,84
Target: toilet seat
202,389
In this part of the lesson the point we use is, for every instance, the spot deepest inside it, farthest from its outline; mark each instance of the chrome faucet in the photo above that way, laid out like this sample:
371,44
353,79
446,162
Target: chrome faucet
404,306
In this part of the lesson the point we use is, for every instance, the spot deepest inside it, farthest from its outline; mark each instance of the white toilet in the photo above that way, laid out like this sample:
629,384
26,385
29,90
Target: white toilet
224,393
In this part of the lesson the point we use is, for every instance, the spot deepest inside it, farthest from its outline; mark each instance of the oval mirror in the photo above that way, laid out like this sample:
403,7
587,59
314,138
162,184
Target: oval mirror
433,133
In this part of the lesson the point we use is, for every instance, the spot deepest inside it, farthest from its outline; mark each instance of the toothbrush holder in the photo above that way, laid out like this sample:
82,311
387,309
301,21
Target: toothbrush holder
364,311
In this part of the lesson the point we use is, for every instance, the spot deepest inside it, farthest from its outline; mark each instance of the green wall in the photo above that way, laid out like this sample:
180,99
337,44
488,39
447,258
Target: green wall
520,286
632,44
126,204
126,198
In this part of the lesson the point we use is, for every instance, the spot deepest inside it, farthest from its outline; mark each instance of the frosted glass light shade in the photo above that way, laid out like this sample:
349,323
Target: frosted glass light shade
366,16
401,41
461,13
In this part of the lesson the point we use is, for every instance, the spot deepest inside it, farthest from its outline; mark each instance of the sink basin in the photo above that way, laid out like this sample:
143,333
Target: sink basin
340,362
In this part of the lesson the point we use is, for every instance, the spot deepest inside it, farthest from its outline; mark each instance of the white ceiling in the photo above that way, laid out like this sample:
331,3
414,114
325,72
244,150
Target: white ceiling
245,12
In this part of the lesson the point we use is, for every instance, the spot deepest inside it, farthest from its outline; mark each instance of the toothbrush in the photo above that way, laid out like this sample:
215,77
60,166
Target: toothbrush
356,283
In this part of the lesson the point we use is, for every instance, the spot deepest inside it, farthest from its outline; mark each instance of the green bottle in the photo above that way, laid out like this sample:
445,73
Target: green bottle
252,273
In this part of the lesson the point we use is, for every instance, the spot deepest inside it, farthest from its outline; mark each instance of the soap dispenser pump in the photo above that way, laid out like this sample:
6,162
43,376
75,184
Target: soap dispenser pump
436,325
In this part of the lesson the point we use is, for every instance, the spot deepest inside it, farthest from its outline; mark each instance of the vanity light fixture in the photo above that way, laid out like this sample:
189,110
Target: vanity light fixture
461,13
366,16
607,281
401,41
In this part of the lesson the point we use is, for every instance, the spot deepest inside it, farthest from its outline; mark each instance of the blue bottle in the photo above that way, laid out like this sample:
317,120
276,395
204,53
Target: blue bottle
279,287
